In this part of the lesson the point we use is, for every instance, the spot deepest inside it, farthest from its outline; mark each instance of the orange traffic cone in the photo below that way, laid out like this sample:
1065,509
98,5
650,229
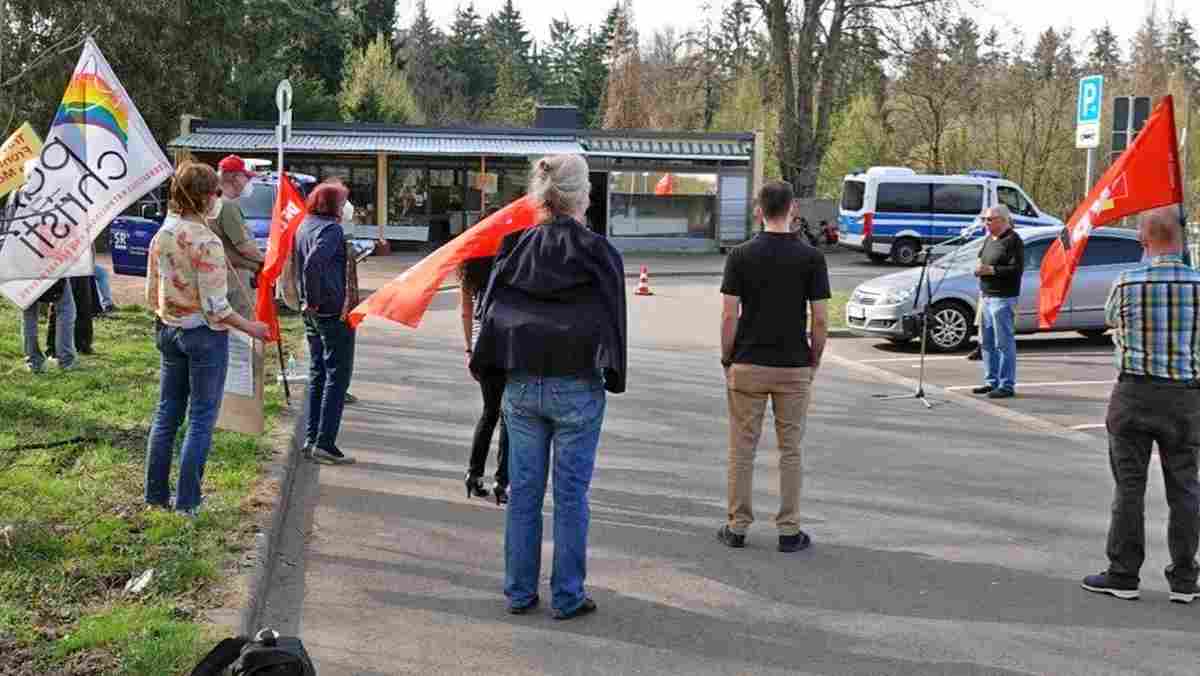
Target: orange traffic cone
643,288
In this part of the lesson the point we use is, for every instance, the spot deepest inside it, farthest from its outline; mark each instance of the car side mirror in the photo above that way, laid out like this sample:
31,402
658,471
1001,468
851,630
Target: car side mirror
149,212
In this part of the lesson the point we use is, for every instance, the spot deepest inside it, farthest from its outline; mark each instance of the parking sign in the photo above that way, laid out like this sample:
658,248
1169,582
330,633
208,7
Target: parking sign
1087,117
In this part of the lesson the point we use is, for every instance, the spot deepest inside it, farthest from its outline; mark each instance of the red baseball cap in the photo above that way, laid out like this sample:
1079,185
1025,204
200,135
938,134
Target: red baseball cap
235,165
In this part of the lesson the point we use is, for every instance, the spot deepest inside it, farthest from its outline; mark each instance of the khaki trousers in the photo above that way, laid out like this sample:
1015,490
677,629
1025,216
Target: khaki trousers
748,388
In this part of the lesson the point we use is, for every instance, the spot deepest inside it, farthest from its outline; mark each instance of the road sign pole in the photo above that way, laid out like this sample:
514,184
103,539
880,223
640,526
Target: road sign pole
1091,163
283,101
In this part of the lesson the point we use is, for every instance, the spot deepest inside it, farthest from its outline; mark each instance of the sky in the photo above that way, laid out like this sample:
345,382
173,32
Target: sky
1010,16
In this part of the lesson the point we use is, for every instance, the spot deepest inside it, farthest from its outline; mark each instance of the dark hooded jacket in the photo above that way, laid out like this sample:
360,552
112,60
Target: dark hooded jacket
555,306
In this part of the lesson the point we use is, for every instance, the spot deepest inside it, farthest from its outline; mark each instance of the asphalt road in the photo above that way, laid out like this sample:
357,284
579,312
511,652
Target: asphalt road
947,542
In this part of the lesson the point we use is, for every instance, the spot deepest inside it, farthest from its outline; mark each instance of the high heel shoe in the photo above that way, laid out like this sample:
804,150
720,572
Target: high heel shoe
501,494
475,487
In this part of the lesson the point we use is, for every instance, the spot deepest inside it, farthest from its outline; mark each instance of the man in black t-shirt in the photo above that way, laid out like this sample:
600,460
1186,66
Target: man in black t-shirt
1001,266
770,285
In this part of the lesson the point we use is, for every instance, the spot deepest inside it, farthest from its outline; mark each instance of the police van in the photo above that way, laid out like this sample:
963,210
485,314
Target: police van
895,212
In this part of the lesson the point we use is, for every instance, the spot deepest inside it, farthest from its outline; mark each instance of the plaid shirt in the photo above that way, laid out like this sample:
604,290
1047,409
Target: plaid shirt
1154,312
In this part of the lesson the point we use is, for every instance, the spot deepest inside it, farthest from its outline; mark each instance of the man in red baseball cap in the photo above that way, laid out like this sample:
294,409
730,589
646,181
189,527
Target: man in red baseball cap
229,223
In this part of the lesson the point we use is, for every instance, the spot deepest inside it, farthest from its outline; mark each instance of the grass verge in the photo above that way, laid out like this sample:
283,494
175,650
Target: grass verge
72,448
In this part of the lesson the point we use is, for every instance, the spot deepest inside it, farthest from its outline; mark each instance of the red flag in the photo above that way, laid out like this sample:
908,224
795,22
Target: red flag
665,185
405,298
1144,177
286,218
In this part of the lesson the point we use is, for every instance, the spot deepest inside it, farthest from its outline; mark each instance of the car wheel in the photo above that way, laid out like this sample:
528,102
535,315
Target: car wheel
877,258
949,326
1094,334
905,251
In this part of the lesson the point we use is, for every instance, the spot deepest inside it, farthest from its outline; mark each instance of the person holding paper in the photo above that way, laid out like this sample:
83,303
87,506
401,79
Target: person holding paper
186,289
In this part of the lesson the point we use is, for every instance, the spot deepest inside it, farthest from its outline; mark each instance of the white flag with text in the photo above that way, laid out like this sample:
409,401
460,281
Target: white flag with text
98,159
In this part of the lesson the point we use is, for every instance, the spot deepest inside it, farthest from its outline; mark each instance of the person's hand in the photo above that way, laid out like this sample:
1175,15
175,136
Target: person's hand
984,270
259,330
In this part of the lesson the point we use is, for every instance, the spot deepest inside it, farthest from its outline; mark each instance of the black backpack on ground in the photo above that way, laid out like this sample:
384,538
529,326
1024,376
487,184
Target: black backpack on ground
267,654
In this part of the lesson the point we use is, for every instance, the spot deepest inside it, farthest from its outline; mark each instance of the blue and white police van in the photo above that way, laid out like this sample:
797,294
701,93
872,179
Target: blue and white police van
894,212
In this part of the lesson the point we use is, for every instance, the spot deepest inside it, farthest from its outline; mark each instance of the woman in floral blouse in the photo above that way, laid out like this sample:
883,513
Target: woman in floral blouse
186,289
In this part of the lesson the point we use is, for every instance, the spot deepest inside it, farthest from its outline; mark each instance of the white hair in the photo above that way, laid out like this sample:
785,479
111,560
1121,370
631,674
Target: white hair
560,183
1001,211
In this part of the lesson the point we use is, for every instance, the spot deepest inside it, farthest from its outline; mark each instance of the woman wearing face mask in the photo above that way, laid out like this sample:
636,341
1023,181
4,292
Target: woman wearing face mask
229,224
185,288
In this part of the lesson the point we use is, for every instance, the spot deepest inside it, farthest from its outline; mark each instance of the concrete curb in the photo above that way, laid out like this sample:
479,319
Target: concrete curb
994,410
268,542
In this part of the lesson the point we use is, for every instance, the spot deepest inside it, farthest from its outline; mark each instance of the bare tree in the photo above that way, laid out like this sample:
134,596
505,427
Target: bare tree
807,49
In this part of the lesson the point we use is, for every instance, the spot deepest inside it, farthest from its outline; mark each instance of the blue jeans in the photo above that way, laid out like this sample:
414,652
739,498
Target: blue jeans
192,381
998,342
103,287
331,362
566,413
64,331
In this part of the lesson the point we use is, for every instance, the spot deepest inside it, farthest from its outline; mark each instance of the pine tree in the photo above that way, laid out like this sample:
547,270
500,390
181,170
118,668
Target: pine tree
562,63
421,52
736,37
508,40
593,77
373,17
469,61
1147,57
512,105
1106,51
1182,50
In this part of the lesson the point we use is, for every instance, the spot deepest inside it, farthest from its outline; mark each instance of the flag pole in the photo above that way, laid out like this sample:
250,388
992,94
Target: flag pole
287,389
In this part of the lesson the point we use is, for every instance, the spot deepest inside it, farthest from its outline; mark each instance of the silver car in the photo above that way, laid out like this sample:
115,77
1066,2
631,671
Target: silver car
878,307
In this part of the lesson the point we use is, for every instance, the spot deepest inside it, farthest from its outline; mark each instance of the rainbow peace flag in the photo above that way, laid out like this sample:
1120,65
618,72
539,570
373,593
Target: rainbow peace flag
90,101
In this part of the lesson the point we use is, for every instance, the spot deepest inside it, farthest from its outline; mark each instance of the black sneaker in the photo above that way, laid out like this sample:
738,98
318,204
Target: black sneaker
350,399
332,455
1184,592
586,608
975,355
1103,583
1001,394
982,389
730,538
794,543
521,610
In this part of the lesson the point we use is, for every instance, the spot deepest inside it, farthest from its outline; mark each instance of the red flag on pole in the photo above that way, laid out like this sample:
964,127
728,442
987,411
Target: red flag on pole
405,298
1144,177
286,218
665,185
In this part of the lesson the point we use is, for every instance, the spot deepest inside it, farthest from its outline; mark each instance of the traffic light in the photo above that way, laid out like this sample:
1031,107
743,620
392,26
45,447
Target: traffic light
1129,116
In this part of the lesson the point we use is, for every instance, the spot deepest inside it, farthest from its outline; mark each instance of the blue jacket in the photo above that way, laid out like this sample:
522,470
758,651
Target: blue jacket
555,306
321,263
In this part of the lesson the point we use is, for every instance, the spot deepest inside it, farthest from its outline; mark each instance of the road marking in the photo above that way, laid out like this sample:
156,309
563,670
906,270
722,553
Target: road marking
1065,383
963,358
1092,426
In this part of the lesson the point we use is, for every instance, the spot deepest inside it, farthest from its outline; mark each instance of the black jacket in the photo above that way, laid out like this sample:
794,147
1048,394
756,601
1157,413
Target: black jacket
555,306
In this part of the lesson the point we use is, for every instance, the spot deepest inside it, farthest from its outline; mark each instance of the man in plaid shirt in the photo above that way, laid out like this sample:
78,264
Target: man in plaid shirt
1153,312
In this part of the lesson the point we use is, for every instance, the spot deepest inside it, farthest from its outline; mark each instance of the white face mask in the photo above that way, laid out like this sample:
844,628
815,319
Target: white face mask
214,211
247,191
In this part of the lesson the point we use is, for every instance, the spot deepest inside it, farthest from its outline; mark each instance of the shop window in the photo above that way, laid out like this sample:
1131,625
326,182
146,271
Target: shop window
662,204
408,194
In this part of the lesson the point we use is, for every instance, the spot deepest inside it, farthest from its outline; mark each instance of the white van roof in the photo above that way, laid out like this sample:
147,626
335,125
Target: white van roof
905,172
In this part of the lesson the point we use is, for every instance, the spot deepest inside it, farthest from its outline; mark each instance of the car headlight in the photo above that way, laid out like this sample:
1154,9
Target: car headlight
896,296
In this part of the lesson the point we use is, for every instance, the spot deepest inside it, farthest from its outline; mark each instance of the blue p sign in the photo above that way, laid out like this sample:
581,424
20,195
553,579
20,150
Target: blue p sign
1091,90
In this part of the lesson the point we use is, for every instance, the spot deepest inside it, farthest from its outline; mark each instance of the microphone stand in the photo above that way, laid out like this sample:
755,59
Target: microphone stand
924,281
